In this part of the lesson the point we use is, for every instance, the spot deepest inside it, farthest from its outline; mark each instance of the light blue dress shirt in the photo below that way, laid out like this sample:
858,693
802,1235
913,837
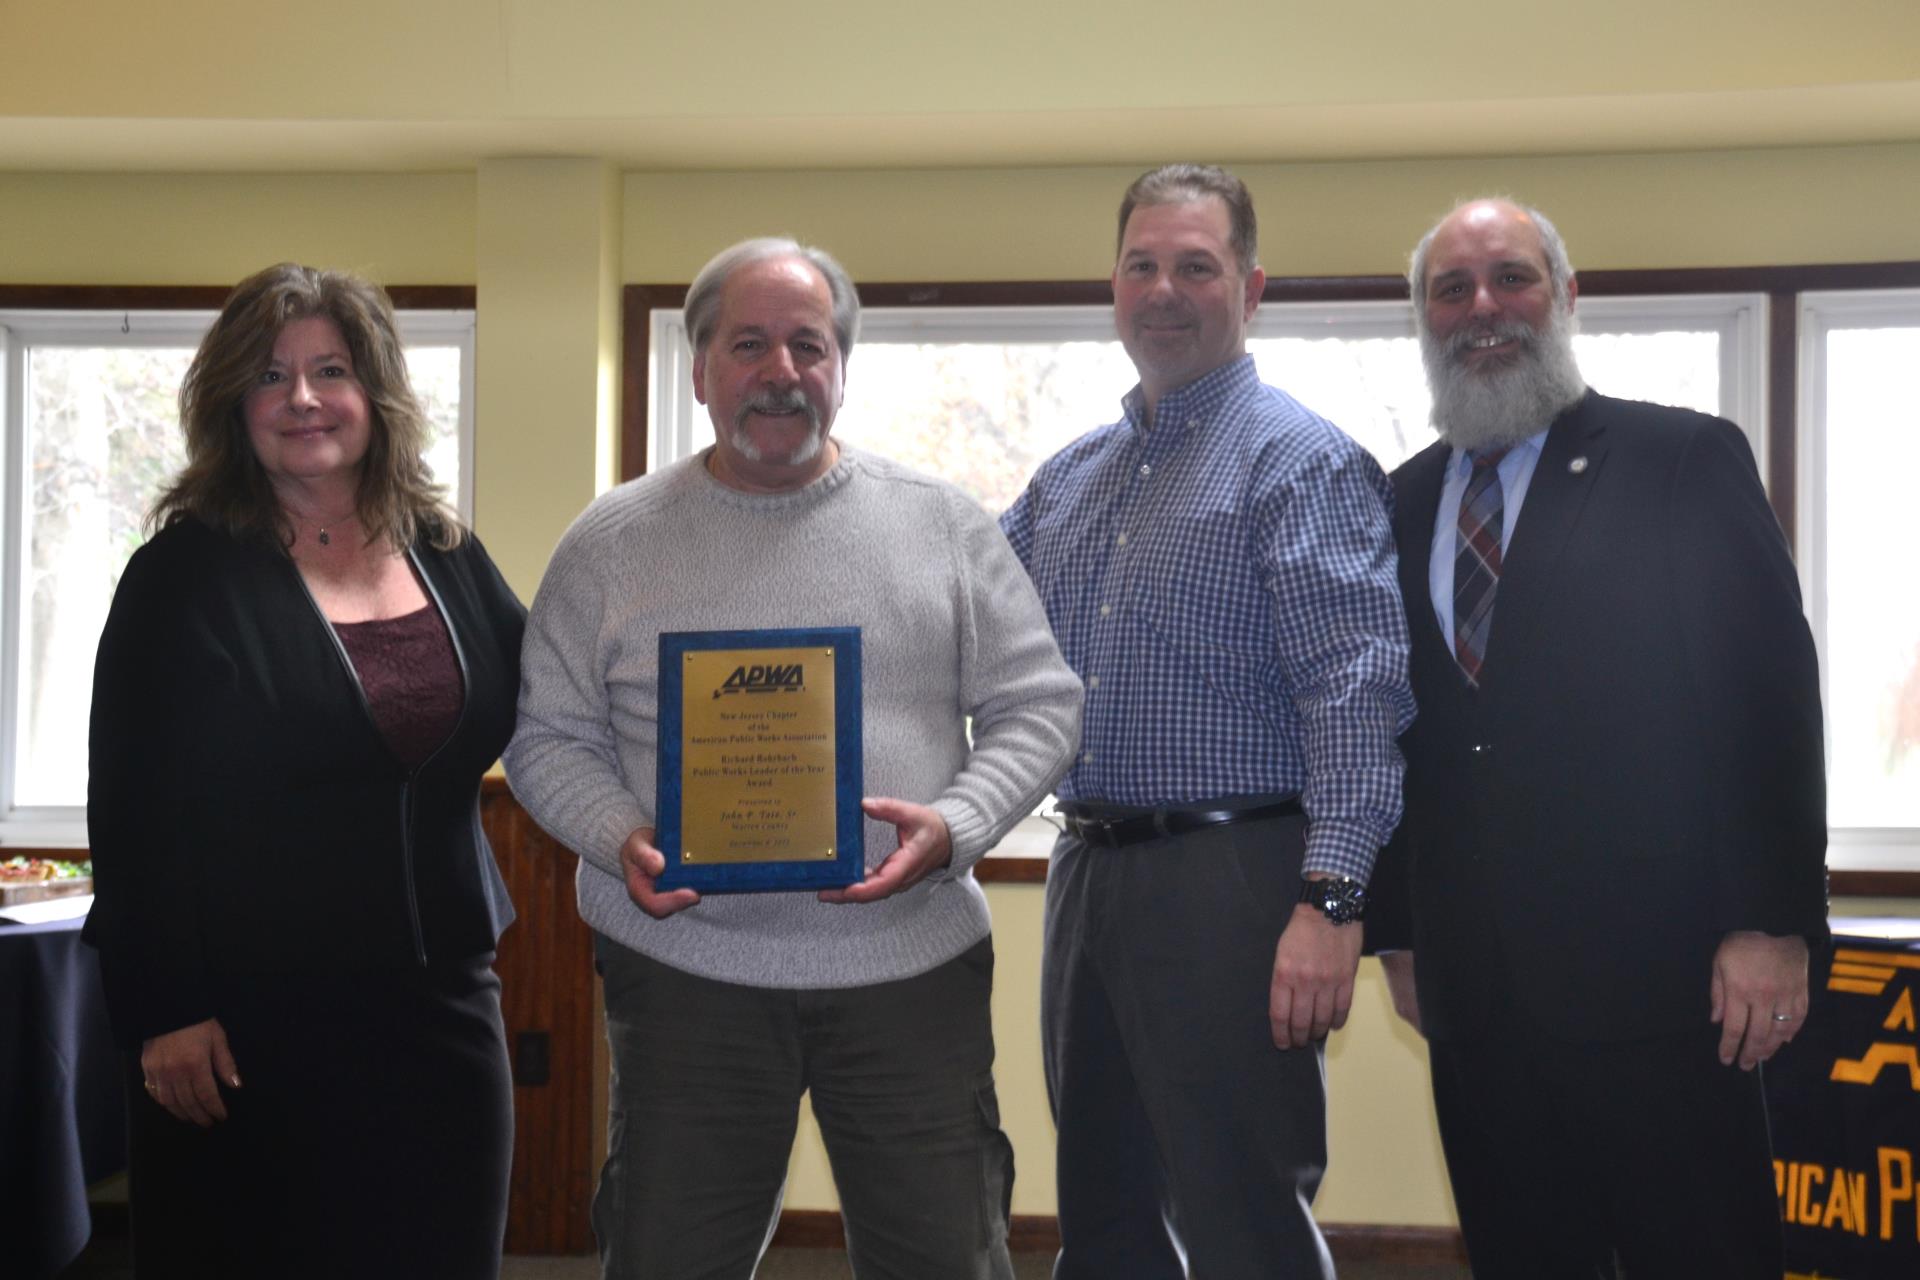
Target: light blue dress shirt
1516,473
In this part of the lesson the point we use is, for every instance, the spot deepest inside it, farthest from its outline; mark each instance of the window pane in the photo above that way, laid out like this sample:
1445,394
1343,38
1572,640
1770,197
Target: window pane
1871,547
102,436
1374,389
1676,367
982,415
435,375
985,415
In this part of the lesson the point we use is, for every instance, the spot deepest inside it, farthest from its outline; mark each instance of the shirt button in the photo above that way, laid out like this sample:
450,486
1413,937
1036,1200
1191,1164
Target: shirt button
1120,541
1093,682
1193,424
1105,609
1086,757
1146,469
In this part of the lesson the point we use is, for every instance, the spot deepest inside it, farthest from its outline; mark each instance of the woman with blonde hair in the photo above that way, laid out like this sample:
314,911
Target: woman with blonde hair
305,672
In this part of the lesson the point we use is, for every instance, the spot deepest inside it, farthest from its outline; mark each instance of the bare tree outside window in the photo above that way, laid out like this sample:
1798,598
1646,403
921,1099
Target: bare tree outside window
103,436
986,415
434,372
982,415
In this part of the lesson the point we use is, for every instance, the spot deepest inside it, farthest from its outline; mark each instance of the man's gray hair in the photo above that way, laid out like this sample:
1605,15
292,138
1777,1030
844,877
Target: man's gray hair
1559,266
702,308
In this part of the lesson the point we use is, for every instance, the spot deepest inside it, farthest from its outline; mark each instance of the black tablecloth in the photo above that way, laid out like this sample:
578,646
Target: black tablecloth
1845,1105
62,1106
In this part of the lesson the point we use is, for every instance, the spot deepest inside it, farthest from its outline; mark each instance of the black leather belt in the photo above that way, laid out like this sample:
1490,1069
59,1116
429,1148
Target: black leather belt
1112,833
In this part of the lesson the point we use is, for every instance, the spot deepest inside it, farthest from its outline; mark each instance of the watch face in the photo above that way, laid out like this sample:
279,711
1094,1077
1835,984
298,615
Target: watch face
1343,901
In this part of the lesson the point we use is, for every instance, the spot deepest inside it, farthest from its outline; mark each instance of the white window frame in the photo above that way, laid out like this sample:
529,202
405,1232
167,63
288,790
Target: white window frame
1741,321
21,330
679,428
1820,313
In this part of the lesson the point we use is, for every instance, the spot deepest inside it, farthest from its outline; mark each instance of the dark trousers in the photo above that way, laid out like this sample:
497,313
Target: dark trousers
372,1137
707,1079
1185,1137
1563,1155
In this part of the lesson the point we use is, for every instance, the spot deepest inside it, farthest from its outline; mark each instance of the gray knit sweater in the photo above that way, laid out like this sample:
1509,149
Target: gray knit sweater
950,628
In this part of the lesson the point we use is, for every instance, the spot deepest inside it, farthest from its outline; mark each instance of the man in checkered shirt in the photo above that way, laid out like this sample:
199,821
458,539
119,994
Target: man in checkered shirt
1219,569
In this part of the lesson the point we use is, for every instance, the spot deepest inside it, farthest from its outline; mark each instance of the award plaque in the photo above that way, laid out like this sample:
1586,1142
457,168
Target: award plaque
760,764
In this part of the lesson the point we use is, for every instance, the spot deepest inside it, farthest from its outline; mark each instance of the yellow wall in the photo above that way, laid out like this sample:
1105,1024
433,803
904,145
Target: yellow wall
548,254
1824,204
158,228
548,340
1833,204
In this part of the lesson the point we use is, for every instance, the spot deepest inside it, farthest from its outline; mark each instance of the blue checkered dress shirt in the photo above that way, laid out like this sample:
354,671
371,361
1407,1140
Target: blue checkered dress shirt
1224,584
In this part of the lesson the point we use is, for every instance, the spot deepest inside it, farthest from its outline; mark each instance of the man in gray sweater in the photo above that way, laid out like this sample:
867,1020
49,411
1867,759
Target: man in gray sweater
723,1010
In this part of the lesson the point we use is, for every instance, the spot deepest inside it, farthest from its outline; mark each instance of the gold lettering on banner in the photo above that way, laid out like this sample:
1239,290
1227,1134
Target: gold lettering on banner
1890,1193
1835,1199
1866,1070
1869,973
1901,1019
1832,1198
1809,1215
1847,1202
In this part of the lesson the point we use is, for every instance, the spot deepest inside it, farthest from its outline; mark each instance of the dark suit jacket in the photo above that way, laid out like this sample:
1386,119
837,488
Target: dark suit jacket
1641,770
246,817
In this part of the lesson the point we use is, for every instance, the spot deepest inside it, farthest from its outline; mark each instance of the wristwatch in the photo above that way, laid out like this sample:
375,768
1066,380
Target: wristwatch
1341,899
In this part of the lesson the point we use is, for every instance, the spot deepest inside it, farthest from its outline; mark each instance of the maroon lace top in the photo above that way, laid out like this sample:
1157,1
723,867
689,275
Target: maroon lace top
412,678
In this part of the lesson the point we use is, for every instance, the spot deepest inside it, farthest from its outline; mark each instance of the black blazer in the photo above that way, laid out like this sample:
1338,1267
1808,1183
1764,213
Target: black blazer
246,817
1641,770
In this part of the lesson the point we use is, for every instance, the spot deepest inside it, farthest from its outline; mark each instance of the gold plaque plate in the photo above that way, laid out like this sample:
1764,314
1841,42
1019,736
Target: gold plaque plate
757,764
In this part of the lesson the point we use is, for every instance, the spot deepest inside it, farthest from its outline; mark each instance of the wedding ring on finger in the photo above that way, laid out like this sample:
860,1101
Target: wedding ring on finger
1783,1017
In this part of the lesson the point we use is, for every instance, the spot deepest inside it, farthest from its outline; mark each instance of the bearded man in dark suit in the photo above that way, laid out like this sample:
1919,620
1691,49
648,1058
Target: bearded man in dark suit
1610,868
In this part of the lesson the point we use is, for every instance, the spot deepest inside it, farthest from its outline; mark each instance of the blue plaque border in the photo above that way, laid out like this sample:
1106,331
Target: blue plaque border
848,864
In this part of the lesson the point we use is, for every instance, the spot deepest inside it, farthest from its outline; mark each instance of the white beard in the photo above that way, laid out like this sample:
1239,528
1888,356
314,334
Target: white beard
1497,408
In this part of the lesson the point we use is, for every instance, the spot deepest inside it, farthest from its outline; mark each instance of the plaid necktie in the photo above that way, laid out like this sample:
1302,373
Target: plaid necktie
1476,562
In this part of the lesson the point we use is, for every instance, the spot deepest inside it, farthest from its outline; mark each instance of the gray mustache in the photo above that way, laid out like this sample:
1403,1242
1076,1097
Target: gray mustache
1506,331
778,402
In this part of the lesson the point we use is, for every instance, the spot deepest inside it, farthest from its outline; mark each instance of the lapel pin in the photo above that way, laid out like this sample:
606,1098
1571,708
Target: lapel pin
1578,465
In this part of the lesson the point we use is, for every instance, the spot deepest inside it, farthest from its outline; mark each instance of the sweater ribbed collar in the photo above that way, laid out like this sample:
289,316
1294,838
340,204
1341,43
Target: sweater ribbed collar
795,500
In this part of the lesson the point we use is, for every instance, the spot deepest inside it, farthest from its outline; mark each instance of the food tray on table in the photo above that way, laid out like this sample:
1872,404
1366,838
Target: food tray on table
38,879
